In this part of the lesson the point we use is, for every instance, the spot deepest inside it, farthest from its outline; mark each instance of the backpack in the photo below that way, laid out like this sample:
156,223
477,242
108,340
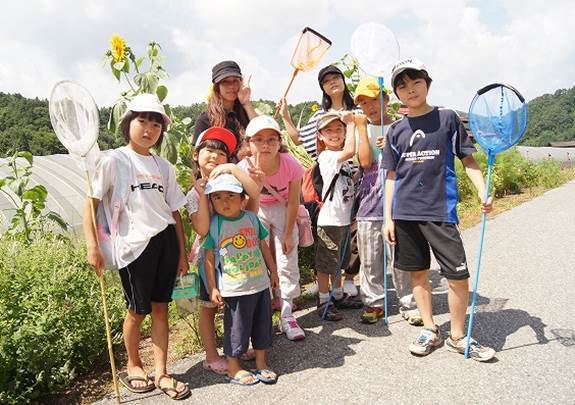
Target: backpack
215,235
313,192
114,203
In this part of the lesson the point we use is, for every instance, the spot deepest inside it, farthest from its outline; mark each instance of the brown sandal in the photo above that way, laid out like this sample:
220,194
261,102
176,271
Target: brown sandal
173,388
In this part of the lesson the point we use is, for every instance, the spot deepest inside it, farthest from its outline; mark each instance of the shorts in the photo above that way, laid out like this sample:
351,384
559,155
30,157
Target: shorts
151,277
413,240
247,317
330,246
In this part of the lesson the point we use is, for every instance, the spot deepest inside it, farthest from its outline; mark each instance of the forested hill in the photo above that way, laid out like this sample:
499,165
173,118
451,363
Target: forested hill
25,124
551,118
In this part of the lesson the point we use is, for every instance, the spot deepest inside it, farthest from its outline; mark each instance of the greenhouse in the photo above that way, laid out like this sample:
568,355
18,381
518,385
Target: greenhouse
66,185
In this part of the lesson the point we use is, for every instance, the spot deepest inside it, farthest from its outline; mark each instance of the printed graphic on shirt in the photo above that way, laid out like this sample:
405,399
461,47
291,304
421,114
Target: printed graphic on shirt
241,257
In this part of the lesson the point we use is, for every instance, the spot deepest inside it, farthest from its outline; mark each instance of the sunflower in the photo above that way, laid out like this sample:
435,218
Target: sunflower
118,48
314,108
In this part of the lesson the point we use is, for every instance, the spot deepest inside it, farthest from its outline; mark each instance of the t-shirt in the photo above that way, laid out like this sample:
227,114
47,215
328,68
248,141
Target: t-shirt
421,151
290,170
337,211
370,196
308,137
242,264
150,204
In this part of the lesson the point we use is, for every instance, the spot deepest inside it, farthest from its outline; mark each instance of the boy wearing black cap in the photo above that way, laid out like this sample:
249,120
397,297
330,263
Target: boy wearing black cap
421,204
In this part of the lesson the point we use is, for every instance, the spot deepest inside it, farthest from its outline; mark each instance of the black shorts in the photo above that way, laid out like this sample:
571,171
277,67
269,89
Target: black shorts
413,240
151,277
247,317
329,248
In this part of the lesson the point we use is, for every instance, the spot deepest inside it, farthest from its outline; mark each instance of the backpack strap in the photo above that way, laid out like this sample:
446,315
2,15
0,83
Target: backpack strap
215,235
331,188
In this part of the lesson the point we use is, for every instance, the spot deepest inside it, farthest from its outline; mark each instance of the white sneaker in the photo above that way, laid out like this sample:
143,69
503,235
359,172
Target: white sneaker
289,326
349,288
313,289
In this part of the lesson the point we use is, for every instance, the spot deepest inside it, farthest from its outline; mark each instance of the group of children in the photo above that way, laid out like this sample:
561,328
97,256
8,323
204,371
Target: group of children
245,214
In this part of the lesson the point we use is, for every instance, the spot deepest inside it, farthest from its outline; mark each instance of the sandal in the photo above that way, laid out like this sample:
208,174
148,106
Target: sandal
243,377
266,376
332,313
219,366
348,302
172,388
127,380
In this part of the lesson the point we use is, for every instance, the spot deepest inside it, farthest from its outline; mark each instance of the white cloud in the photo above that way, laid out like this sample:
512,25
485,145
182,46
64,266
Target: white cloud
465,43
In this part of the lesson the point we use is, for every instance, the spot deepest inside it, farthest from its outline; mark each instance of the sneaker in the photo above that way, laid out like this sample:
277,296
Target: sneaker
312,290
427,341
349,288
332,313
412,316
476,351
372,315
289,326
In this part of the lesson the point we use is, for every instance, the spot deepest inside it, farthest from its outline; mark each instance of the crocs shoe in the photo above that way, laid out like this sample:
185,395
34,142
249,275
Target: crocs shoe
427,341
372,315
289,326
476,351
412,316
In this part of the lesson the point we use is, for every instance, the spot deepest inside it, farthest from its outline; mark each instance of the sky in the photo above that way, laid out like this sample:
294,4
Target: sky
465,44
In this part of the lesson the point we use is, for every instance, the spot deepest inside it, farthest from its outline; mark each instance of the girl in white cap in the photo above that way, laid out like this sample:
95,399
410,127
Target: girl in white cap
279,203
149,245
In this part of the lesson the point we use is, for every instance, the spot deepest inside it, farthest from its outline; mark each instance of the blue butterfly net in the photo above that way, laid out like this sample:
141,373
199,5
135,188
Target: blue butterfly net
497,117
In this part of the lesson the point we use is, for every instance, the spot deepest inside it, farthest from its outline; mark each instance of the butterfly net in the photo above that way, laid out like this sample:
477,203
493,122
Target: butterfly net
310,49
497,117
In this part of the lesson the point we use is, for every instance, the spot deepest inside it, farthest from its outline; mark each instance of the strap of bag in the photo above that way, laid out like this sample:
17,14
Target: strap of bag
331,188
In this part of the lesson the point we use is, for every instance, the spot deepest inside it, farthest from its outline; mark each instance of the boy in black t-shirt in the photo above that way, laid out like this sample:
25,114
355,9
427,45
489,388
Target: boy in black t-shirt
421,204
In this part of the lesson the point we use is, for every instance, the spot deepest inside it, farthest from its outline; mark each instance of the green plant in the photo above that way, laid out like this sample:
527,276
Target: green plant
51,323
29,219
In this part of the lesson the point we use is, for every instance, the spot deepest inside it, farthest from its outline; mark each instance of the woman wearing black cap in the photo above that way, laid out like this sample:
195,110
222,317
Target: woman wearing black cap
229,103
336,97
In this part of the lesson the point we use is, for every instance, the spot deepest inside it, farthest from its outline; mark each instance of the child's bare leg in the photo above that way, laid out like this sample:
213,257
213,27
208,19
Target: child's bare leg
131,330
208,333
458,297
323,282
160,336
422,294
261,359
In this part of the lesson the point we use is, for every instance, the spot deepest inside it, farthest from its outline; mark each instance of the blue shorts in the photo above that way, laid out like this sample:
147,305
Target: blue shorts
247,317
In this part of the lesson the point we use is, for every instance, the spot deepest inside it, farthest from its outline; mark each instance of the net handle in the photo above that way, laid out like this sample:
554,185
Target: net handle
494,85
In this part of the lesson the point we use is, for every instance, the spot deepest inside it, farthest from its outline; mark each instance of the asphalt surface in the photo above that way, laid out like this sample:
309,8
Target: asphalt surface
525,312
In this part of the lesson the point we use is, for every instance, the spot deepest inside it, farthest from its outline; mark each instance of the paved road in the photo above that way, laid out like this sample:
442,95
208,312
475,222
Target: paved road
525,312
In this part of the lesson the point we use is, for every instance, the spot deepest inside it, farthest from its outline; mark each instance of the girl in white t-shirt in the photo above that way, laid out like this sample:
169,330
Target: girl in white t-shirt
279,203
212,152
336,145
149,246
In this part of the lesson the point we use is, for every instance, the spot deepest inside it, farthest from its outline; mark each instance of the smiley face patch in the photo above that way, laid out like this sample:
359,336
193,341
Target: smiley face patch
239,241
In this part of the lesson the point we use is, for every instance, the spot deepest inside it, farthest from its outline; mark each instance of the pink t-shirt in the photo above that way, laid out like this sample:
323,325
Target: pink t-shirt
290,170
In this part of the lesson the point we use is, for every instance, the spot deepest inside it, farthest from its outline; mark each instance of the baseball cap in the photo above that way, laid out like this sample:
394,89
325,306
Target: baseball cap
224,182
261,122
325,119
219,134
146,102
404,64
368,87
225,69
327,70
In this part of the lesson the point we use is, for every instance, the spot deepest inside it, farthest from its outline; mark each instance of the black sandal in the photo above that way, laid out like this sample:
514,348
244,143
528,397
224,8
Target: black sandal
332,313
173,388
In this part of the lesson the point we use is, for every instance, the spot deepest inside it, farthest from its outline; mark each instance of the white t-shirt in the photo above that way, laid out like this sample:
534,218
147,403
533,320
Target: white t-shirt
336,212
150,204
